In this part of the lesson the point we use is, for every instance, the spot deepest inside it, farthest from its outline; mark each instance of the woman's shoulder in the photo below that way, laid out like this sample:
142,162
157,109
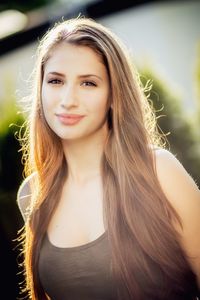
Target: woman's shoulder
178,185
171,173
168,166
24,195
184,195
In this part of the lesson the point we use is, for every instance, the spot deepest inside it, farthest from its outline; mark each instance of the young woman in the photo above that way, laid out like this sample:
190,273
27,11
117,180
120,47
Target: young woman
108,213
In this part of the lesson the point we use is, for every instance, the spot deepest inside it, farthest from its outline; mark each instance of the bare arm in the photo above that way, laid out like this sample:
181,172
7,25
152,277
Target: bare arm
184,196
24,197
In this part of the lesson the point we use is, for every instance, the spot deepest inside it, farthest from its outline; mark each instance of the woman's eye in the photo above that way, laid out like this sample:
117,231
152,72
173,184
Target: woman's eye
89,83
55,81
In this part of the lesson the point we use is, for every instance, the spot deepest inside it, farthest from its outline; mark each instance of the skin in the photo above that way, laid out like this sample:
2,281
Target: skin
70,93
81,200
184,195
73,92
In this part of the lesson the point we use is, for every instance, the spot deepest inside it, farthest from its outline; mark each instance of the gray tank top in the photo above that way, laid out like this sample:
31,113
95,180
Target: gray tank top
77,273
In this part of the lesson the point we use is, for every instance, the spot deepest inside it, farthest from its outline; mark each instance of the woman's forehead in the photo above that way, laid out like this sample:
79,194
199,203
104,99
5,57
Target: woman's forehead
74,57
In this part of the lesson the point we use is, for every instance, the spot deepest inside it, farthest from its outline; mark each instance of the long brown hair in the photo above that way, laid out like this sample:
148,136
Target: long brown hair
146,256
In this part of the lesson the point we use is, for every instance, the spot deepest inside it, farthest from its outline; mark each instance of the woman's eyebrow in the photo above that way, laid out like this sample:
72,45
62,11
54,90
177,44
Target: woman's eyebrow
79,76
90,75
56,73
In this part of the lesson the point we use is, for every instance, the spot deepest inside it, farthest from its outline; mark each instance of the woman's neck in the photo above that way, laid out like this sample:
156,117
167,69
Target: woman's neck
84,158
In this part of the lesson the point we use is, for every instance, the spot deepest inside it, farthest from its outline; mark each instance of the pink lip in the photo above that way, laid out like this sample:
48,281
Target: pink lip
69,119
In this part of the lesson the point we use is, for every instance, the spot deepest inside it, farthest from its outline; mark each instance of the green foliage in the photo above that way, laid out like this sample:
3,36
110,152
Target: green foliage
10,122
10,178
181,131
23,5
9,114
10,158
197,88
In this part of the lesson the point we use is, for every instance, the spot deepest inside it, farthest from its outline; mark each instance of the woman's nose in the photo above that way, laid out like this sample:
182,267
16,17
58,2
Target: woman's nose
69,96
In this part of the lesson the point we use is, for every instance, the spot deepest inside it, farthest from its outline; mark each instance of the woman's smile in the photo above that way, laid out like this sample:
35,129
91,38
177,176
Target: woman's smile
75,92
69,119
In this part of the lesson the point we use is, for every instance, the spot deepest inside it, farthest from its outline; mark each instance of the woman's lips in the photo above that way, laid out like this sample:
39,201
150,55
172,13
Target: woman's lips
69,119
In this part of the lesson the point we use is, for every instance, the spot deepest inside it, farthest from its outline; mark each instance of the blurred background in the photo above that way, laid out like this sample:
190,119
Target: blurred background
164,40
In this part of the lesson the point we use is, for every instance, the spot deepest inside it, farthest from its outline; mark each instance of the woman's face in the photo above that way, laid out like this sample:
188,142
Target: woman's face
75,92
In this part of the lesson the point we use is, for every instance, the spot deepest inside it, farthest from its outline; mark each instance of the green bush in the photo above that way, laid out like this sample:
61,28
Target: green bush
10,178
24,6
181,130
10,158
